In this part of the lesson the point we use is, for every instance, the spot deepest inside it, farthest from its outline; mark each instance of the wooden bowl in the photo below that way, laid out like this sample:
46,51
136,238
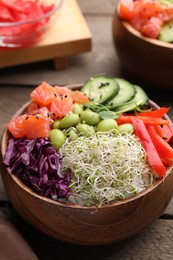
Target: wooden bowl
86,225
149,60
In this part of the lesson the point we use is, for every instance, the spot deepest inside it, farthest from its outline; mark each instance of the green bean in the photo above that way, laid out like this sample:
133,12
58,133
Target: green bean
57,138
107,125
87,130
78,109
90,117
69,121
127,128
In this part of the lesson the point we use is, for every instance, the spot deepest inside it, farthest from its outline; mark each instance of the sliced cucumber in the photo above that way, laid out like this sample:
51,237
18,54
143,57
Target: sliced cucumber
139,99
100,89
126,92
166,32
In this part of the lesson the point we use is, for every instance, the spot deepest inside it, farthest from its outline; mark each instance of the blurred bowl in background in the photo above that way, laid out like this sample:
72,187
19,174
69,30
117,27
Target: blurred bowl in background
146,59
27,22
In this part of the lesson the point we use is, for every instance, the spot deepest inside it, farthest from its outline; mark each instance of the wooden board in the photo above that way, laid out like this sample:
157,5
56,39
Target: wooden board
70,35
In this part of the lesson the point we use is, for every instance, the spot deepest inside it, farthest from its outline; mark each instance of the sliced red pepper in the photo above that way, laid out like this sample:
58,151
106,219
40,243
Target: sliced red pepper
165,131
163,148
122,119
153,156
160,112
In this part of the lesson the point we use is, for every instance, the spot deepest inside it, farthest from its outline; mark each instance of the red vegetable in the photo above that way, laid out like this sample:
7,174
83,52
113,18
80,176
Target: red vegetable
163,148
153,156
160,112
122,119
165,131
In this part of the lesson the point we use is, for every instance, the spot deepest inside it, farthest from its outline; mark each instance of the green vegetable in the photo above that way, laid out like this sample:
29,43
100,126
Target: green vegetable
105,167
90,117
107,125
85,129
127,128
69,120
57,138
78,109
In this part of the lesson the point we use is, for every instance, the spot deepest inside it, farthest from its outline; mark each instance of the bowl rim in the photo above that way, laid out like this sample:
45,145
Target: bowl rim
11,24
5,138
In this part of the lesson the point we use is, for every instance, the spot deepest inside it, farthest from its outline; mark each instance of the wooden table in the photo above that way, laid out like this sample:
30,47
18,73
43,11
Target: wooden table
155,242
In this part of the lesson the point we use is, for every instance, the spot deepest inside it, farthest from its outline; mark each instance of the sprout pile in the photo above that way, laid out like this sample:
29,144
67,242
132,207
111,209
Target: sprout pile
105,167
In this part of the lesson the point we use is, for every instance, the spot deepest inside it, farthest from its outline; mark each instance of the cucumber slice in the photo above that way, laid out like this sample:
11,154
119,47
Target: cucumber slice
126,92
139,99
166,32
100,89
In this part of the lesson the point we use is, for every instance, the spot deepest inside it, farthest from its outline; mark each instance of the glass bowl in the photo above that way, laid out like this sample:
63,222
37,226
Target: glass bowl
26,22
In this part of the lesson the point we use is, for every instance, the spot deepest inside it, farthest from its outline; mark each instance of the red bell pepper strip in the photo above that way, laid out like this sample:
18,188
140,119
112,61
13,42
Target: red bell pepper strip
163,148
165,131
122,119
153,157
160,112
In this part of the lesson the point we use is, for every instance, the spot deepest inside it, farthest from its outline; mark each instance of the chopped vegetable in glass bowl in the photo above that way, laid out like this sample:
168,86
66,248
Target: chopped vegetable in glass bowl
23,22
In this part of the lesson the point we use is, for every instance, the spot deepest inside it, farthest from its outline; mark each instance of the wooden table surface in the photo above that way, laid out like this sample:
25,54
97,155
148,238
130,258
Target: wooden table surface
155,242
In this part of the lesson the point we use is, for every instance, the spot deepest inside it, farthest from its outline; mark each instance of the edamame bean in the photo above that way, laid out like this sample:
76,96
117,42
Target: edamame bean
90,117
127,128
56,124
73,134
57,138
87,130
78,109
107,125
69,121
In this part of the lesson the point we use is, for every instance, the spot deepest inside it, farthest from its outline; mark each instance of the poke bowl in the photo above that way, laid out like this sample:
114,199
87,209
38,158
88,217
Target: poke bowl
75,183
24,22
143,41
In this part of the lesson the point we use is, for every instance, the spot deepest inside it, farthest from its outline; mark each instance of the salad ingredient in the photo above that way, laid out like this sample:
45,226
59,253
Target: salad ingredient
165,131
105,167
162,147
125,93
85,129
90,117
20,11
76,95
126,97
106,125
100,89
30,126
166,32
160,112
146,16
147,120
57,138
149,147
69,121
38,165
140,99
42,95
77,109
60,106
127,128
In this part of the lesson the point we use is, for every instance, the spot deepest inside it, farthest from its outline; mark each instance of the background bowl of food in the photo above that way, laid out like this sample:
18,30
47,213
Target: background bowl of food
22,23
142,34
75,164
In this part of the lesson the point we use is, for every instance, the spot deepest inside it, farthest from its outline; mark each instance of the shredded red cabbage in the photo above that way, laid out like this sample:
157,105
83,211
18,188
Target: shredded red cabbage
38,165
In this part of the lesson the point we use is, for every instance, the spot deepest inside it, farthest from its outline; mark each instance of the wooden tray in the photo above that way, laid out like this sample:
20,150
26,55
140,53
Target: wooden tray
70,35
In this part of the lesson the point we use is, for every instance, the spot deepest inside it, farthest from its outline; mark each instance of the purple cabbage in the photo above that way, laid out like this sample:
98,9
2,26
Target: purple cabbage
38,165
